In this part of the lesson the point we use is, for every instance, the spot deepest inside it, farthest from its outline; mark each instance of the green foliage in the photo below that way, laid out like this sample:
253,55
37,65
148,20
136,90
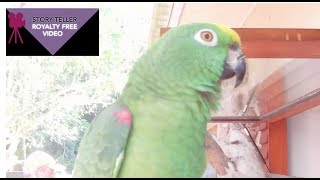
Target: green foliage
52,100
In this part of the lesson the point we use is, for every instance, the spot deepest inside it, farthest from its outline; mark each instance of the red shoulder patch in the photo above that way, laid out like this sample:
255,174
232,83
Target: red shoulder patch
124,116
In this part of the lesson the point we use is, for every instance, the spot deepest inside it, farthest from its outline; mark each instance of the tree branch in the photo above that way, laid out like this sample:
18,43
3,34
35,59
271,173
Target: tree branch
216,156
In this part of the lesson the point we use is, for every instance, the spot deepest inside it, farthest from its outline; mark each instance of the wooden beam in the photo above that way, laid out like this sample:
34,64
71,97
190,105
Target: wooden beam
278,147
270,96
281,49
277,34
277,43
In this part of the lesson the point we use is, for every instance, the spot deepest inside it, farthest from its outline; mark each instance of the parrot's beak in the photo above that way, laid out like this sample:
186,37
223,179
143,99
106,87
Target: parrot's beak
234,65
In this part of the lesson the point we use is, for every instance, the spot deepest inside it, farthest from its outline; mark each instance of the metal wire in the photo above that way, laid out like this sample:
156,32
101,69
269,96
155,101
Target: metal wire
248,132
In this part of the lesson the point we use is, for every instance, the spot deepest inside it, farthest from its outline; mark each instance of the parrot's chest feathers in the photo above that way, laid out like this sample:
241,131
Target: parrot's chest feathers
167,135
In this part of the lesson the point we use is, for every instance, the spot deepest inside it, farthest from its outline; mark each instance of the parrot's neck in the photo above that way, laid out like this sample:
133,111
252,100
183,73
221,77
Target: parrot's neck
169,122
169,126
153,86
143,88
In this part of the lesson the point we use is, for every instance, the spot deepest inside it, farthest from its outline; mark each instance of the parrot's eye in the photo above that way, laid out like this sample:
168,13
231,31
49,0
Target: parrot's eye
206,37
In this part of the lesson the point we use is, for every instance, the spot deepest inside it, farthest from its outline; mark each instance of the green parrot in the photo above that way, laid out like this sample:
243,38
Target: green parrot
157,127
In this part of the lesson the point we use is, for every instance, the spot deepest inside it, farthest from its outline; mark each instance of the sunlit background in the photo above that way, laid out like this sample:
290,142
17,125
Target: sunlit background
50,101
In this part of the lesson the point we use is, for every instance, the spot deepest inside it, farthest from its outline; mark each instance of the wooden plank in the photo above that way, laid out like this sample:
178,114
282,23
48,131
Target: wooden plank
281,49
278,34
278,148
277,43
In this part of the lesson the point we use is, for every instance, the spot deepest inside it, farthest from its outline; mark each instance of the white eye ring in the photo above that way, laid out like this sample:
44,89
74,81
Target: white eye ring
212,41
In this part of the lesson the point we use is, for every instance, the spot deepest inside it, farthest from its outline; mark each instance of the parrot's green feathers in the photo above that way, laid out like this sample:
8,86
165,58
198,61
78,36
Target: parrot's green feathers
170,92
118,164
181,65
100,153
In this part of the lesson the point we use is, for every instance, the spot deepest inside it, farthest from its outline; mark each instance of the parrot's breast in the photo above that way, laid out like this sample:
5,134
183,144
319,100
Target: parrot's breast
167,140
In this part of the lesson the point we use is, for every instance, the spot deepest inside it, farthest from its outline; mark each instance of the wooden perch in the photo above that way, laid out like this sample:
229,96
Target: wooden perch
216,156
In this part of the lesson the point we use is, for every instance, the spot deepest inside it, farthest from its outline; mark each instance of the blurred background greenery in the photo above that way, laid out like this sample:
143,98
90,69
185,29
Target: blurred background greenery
50,101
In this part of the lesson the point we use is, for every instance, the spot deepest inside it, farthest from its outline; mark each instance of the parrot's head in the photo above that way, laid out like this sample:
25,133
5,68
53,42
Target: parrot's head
206,48
191,58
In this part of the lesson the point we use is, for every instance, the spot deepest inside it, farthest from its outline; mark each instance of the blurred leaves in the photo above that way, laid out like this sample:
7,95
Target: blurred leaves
50,101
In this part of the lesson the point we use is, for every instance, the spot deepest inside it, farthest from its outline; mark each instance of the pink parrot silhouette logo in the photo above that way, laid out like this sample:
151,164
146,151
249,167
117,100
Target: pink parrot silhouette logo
16,22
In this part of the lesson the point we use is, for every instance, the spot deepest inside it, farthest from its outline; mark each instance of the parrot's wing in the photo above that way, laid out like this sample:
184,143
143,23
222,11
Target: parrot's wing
102,147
